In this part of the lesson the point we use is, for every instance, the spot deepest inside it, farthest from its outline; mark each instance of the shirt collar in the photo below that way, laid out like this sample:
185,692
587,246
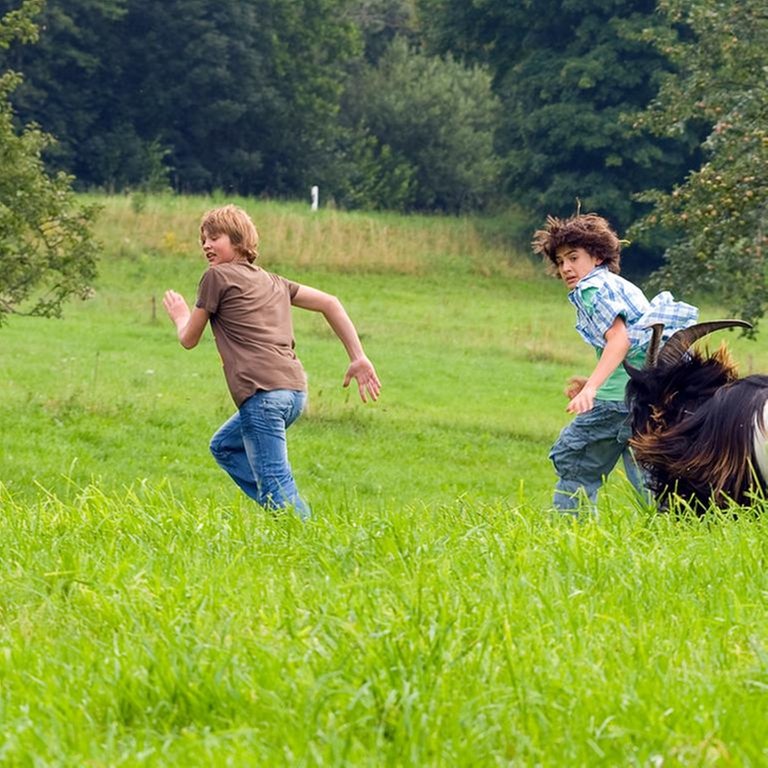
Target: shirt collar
588,279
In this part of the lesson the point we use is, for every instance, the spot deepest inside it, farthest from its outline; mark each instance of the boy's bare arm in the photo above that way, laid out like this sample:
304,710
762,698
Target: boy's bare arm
360,368
616,347
189,325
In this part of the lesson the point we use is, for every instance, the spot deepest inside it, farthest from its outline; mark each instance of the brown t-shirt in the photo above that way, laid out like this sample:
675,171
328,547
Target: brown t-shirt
250,313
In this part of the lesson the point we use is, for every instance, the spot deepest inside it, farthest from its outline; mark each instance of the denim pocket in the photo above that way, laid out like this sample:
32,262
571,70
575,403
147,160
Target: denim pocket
568,451
285,404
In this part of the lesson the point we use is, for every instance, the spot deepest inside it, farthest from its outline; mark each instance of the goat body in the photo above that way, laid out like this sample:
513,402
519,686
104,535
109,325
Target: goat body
699,431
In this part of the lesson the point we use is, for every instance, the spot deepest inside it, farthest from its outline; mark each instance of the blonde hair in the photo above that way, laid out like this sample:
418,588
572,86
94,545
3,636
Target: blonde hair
588,231
237,224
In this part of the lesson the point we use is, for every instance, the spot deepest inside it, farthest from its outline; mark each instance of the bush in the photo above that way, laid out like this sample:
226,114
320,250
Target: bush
427,125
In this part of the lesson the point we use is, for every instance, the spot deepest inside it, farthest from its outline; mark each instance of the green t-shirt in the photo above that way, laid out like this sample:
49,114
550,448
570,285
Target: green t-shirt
615,385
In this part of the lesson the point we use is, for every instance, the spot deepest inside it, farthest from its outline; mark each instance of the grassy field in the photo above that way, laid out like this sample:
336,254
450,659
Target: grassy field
433,611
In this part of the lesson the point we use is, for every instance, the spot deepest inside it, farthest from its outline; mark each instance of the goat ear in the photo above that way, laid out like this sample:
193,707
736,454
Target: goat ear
631,370
681,341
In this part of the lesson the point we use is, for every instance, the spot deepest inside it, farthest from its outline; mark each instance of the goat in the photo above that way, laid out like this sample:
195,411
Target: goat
698,429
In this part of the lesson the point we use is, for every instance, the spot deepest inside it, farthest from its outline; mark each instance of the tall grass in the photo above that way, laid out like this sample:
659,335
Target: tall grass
433,611
145,629
325,239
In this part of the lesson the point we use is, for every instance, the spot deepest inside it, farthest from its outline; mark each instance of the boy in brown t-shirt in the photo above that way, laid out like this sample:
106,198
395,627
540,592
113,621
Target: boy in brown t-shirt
250,314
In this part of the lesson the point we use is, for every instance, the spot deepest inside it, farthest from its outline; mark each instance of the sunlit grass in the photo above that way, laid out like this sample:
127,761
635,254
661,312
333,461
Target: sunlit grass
293,235
143,628
433,611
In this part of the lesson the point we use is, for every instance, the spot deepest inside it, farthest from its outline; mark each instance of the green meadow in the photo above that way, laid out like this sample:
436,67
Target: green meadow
433,612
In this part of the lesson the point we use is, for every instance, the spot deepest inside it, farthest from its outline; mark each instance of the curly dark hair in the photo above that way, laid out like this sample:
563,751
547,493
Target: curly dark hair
588,231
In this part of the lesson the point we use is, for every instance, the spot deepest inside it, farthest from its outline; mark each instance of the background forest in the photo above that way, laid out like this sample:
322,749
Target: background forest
652,113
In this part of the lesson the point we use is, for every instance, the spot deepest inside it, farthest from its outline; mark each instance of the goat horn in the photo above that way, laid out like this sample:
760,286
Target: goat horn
681,341
653,346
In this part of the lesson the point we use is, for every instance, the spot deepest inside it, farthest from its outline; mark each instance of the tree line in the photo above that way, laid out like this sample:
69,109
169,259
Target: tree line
650,112
406,104
265,97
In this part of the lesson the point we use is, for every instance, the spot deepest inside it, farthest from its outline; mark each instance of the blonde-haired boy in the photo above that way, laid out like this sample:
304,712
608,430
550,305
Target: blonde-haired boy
249,310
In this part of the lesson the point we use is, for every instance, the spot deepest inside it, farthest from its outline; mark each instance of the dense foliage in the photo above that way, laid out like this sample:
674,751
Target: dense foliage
246,98
432,122
567,74
139,91
46,249
366,98
719,214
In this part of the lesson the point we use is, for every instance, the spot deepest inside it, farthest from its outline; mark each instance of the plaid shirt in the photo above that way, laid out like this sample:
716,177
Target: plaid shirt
602,296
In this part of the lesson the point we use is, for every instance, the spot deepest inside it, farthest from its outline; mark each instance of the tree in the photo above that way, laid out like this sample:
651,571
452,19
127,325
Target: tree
75,61
381,21
428,124
566,73
230,95
46,247
719,212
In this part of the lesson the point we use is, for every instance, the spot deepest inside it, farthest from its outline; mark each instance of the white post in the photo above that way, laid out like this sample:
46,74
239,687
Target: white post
315,196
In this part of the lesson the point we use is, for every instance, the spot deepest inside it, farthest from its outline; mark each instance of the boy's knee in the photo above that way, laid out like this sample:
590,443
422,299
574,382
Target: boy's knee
567,457
215,446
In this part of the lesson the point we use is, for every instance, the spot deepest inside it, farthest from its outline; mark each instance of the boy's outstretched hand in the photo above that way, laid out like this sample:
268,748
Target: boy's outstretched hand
583,402
363,372
176,307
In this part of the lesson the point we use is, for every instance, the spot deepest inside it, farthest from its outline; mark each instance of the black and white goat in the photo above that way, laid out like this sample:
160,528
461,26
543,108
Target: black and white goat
699,430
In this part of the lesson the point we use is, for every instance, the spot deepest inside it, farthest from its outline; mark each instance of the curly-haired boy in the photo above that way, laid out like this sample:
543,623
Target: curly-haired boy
615,318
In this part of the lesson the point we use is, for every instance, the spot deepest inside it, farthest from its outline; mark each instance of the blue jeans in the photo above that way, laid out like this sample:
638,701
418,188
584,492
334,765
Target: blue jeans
252,448
588,449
